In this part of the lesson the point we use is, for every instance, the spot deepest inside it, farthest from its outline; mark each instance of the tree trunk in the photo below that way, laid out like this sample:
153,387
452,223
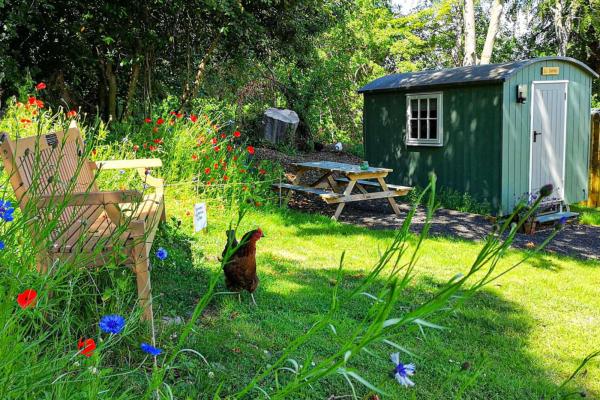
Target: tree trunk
135,74
563,23
495,14
111,97
101,92
191,93
469,20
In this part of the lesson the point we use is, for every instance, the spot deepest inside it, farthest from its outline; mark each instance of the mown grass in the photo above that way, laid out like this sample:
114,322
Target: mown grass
517,339
588,215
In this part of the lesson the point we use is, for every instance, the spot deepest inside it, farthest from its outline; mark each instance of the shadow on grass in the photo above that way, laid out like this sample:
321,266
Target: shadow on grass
483,352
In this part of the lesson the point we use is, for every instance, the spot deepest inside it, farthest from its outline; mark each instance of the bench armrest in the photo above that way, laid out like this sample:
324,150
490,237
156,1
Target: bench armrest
91,198
128,164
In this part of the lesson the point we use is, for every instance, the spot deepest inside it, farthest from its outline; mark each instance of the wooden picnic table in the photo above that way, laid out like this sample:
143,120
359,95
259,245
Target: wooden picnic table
339,180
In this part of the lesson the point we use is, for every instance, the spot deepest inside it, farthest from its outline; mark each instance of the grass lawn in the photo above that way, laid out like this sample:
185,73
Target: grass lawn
589,215
521,337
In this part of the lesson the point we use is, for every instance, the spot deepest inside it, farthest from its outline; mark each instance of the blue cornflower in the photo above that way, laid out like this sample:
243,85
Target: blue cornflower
563,220
6,210
112,324
153,351
161,253
403,371
2,245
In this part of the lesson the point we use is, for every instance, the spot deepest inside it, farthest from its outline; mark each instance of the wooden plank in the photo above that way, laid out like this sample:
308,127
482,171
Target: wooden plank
90,198
319,192
375,184
362,197
129,164
341,206
341,167
390,200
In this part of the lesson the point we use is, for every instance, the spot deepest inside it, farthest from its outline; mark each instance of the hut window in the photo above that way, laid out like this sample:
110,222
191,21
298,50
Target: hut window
424,119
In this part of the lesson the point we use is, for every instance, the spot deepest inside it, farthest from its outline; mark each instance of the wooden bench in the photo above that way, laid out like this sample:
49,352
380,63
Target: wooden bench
402,190
326,195
74,220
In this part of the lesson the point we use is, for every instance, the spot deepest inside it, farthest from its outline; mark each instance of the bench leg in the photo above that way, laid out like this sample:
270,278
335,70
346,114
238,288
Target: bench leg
340,206
144,287
390,200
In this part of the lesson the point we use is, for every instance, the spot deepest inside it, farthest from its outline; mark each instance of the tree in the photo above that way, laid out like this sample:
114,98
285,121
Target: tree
470,48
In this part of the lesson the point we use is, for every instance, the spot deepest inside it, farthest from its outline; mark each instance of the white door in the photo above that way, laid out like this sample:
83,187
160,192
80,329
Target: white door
548,136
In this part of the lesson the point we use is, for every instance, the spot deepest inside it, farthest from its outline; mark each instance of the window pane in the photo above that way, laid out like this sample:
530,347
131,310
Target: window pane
432,129
423,109
414,129
414,108
432,108
422,129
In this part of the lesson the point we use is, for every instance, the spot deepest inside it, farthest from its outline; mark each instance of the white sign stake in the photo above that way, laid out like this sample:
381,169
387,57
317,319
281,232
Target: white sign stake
200,217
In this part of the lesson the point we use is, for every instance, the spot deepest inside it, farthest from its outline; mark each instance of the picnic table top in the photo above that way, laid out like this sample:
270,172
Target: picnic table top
341,167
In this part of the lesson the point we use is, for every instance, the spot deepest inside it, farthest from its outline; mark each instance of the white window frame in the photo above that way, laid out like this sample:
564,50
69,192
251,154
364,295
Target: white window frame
439,141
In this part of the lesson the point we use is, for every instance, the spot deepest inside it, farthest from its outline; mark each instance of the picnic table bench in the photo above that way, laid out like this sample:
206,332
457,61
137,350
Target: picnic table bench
339,180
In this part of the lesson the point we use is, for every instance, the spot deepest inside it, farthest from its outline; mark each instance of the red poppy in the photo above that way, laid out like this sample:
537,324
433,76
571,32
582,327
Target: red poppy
262,172
153,148
242,171
172,113
250,149
40,86
225,178
223,136
145,146
237,134
158,141
160,121
72,114
86,347
216,166
194,157
39,104
136,147
179,115
155,129
217,148
229,148
193,118
94,151
31,100
148,120
235,158
25,121
208,183
257,203
207,171
27,298
214,140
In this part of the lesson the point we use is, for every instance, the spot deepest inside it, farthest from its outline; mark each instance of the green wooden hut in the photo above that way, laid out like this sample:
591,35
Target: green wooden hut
497,132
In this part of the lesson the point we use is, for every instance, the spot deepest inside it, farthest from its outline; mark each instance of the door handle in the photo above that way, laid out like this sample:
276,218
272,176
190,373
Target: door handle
535,134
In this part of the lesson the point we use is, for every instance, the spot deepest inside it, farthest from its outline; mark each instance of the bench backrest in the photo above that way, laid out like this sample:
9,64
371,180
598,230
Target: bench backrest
47,164
50,164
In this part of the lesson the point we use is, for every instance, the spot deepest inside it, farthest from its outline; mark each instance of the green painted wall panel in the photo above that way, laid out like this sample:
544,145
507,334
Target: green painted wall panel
487,137
469,161
516,134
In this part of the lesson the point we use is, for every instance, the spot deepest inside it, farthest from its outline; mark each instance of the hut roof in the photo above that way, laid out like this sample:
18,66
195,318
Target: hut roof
470,75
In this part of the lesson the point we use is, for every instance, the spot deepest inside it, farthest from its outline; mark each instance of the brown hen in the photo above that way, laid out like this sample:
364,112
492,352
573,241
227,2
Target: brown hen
239,262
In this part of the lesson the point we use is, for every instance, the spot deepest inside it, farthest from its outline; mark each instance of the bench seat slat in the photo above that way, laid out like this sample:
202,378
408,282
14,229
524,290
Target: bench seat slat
375,184
326,194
